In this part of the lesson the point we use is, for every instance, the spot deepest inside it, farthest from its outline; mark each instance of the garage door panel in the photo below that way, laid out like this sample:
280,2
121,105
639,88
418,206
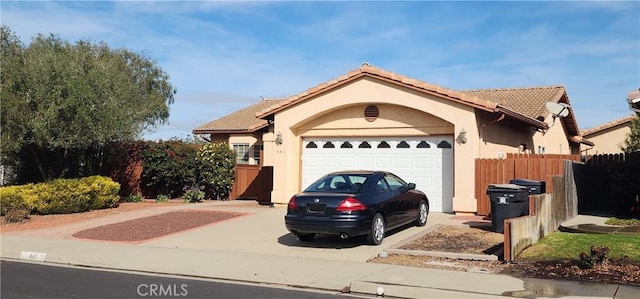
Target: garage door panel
383,163
402,162
347,162
418,160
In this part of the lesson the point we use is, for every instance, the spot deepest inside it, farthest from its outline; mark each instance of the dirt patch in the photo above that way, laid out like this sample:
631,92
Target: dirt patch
459,239
146,228
46,221
614,271
480,240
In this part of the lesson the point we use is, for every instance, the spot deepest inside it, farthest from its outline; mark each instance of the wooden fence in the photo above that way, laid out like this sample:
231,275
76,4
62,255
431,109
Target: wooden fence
609,183
515,166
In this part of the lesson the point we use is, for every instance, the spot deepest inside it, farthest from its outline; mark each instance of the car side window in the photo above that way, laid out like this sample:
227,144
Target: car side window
395,182
382,185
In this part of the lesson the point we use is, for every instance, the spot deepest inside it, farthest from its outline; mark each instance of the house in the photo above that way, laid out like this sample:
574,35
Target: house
608,137
371,118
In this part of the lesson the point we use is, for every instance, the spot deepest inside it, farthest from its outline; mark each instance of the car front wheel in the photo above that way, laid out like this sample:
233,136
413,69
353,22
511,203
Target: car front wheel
376,235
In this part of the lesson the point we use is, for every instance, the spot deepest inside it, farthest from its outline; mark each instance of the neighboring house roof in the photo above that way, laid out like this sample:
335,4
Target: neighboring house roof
609,125
530,101
243,120
524,104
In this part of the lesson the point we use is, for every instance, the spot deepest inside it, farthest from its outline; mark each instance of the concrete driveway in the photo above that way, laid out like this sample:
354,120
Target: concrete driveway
262,231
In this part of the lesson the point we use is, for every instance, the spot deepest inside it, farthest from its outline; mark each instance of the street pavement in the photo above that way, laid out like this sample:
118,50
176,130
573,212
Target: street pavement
256,248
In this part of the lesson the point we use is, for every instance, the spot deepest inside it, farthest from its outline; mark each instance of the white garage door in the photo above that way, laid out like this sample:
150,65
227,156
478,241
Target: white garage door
425,161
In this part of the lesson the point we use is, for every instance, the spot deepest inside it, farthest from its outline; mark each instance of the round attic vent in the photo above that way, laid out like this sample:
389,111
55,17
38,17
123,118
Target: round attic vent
371,113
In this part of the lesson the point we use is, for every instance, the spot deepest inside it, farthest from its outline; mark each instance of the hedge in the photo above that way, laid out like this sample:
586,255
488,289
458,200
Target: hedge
61,196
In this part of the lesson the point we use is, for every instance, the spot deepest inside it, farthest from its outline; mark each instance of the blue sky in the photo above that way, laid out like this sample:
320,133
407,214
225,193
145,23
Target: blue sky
223,56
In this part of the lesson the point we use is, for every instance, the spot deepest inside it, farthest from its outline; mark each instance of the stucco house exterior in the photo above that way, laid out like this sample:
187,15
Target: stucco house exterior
371,118
607,138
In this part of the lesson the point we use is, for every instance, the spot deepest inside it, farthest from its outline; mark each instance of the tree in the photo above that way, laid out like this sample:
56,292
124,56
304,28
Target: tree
62,102
632,142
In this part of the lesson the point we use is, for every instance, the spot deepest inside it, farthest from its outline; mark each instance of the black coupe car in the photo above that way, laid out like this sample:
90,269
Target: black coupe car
354,203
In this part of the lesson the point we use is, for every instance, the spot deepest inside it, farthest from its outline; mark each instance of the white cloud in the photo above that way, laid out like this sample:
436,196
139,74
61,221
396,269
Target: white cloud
231,53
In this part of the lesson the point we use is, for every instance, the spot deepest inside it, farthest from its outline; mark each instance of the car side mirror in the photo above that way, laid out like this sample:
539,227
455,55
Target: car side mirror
411,186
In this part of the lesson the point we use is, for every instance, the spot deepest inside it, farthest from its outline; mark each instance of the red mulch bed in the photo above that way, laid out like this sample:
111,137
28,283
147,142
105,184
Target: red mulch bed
146,228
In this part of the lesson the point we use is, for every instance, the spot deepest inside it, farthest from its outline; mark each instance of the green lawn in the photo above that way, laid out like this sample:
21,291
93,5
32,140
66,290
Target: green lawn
561,245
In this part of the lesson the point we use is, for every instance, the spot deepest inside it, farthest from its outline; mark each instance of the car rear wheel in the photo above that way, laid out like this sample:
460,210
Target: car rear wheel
376,235
423,213
306,237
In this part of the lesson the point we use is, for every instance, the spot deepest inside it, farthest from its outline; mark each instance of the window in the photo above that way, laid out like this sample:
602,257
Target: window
403,144
395,182
382,185
312,145
328,145
346,144
364,144
384,144
242,153
444,144
423,144
257,148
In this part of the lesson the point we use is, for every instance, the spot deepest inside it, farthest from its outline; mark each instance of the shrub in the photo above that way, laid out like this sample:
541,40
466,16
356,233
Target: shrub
193,193
216,169
62,196
133,198
162,198
11,199
598,255
167,166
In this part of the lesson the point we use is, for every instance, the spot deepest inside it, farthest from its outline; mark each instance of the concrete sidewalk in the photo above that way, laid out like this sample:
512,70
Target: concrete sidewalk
258,249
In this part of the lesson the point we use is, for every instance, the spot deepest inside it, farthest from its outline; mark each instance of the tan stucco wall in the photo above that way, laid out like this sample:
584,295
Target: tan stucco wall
555,140
608,141
341,113
499,138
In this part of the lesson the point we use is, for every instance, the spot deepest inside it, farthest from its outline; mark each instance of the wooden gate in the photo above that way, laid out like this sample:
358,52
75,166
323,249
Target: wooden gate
253,182
515,166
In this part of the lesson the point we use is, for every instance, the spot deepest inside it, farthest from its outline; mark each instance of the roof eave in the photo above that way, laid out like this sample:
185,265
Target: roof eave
515,115
582,140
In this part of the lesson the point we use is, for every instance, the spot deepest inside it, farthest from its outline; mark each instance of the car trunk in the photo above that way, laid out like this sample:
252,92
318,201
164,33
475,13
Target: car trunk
320,204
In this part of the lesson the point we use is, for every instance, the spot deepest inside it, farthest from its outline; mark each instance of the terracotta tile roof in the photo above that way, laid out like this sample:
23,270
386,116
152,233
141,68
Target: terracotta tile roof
608,125
243,120
524,104
368,70
528,101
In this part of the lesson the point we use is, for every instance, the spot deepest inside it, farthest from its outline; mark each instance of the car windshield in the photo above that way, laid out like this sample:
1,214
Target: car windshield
339,183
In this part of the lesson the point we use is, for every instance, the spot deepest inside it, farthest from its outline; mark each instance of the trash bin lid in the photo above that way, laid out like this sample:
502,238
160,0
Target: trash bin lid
507,186
525,182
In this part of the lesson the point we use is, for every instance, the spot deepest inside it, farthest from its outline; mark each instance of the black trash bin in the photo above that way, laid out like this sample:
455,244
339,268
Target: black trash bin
533,187
507,201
